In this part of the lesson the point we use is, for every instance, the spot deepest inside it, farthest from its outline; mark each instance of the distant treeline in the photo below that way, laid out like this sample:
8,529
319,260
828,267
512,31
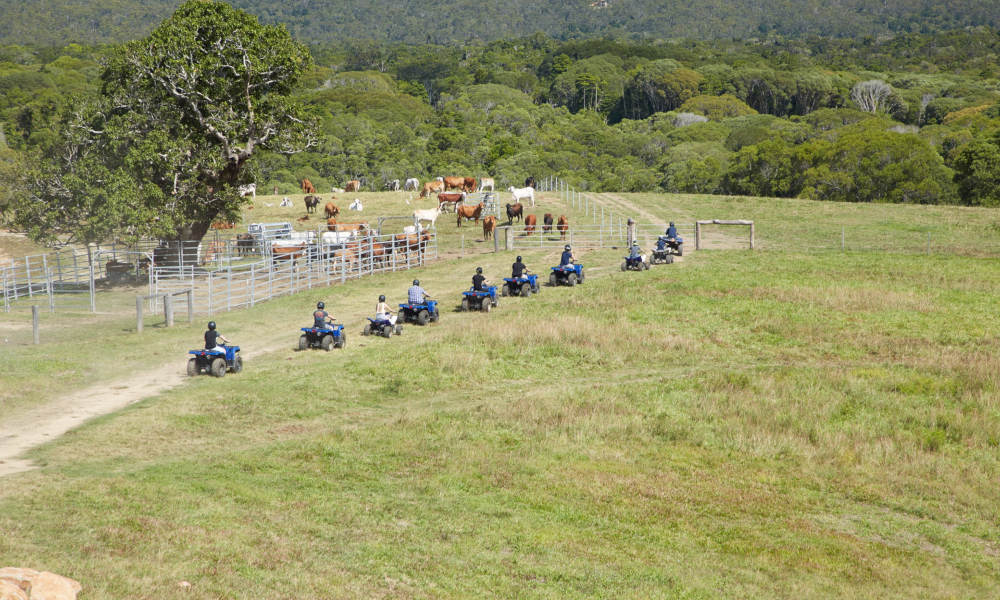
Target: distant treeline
456,22
909,119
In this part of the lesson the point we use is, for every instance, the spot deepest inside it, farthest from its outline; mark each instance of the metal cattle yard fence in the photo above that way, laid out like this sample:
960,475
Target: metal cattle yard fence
290,266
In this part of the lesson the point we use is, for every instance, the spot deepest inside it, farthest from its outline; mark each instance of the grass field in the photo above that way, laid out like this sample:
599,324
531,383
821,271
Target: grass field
783,423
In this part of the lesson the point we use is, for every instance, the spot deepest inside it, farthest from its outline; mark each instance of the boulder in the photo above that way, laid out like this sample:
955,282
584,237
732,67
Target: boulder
49,586
19,577
10,591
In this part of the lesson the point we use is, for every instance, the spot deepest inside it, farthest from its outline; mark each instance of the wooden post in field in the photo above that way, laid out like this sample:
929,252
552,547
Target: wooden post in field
34,323
508,239
168,309
496,243
843,238
190,302
138,314
697,235
753,230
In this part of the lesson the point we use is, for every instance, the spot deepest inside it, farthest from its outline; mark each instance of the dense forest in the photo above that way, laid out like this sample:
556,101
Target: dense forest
451,22
914,118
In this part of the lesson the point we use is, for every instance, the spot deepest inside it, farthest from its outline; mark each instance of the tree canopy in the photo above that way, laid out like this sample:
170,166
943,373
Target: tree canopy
162,148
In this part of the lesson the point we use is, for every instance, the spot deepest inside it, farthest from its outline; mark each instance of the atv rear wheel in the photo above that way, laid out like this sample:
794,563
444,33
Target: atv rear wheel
580,280
669,260
192,368
399,330
219,367
423,317
237,364
571,279
327,342
680,249
504,290
387,331
645,266
486,306
342,342
553,280
526,290
367,330
624,266
303,342
465,304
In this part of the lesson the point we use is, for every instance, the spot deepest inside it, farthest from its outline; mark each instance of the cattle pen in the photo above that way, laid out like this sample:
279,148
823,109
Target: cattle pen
290,268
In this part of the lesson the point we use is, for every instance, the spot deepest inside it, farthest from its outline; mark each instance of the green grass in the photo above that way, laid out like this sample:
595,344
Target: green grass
768,424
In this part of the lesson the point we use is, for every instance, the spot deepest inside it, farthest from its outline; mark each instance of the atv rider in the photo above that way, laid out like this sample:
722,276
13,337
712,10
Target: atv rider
321,317
416,294
636,252
671,232
382,312
479,282
212,338
567,259
518,270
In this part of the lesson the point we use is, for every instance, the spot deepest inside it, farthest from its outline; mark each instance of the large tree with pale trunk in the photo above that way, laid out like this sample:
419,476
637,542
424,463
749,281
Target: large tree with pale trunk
163,148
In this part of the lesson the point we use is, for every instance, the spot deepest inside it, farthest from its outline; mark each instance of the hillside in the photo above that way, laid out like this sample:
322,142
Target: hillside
58,22
783,423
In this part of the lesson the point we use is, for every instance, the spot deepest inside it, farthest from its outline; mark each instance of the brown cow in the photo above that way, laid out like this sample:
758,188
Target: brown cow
547,222
307,187
432,187
331,210
311,203
290,253
454,183
452,198
222,225
353,186
469,184
562,226
514,210
333,225
469,212
489,226
529,224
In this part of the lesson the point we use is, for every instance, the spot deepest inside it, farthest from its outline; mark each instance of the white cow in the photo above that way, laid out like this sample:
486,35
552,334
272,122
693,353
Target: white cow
249,189
523,193
337,237
286,201
429,214
392,186
338,190
412,183
486,182
356,205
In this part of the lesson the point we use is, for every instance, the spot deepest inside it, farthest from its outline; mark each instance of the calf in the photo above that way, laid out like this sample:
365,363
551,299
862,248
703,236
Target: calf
563,226
514,211
331,210
307,187
529,224
489,226
311,203
547,222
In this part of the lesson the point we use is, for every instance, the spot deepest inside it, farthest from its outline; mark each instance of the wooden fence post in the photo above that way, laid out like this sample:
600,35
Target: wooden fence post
34,323
190,302
138,314
168,309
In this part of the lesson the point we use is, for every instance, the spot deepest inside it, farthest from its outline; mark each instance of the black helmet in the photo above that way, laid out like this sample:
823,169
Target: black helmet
381,298
671,223
518,259
416,282
479,270
567,246
211,324
320,305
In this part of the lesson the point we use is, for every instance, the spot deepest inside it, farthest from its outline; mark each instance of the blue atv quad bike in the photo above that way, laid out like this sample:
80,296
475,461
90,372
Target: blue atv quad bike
634,264
666,250
524,286
484,301
566,275
422,314
331,336
383,327
215,362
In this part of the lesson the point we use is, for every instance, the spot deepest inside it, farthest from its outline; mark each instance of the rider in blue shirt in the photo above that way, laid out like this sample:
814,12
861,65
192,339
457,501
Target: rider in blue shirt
671,231
567,257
